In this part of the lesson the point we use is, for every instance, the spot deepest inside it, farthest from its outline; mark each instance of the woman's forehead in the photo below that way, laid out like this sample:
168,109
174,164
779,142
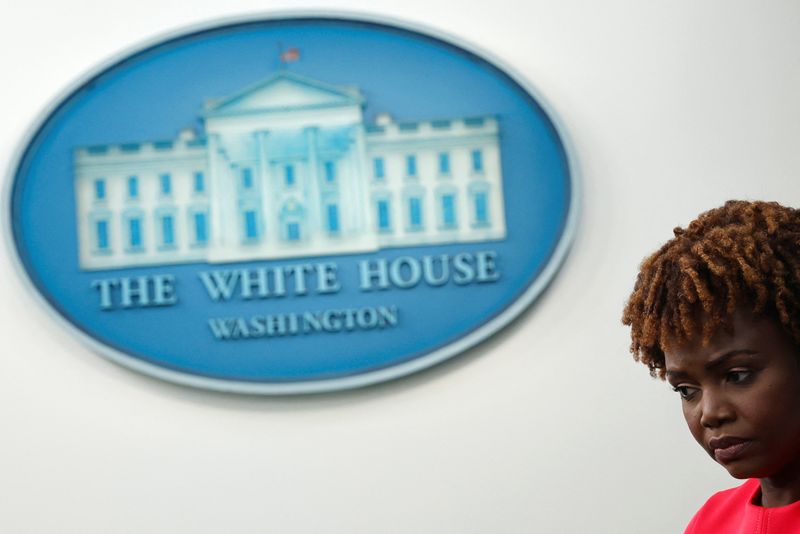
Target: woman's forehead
743,334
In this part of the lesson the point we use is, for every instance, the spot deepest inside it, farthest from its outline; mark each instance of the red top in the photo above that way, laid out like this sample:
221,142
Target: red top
733,512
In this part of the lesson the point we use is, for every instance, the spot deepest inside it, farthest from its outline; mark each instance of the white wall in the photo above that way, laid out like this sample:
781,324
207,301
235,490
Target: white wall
673,106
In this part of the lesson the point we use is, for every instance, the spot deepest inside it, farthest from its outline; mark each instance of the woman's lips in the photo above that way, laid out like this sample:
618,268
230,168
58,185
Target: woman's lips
729,449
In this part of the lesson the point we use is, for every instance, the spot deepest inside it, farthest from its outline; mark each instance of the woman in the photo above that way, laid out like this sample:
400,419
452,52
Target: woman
716,312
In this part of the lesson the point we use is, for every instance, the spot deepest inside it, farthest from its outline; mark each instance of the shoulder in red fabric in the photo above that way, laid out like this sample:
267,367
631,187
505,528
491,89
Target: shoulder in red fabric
733,512
725,511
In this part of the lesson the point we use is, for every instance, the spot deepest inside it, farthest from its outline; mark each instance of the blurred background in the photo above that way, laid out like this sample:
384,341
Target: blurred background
672,108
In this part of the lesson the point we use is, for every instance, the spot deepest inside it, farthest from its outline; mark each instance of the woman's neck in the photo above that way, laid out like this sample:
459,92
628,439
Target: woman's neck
783,488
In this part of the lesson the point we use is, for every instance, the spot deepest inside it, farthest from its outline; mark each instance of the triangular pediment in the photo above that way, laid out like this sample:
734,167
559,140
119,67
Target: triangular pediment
284,91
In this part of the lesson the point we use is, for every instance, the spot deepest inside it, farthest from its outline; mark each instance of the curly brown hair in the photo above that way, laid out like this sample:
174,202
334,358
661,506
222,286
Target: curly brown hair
744,255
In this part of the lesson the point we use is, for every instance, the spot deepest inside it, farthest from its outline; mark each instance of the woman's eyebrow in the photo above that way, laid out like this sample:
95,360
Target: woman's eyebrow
723,358
715,362
676,374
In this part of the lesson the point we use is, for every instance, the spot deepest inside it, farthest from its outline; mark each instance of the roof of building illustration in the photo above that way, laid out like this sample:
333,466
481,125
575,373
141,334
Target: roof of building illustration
288,91
284,91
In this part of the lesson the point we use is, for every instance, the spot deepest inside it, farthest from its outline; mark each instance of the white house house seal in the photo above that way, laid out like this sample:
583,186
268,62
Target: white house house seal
292,204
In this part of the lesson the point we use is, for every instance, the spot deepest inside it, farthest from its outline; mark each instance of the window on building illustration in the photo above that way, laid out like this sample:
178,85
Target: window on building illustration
333,218
411,165
293,231
250,225
167,230
133,187
166,184
288,174
378,170
330,172
135,233
444,163
200,227
199,182
481,208
99,189
477,160
415,212
448,210
101,231
247,178
384,222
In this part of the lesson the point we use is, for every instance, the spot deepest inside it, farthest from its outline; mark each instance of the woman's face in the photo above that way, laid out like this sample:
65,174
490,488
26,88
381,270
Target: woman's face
741,397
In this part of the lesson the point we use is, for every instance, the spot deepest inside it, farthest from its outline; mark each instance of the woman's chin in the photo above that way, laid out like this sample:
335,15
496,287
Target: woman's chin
740,470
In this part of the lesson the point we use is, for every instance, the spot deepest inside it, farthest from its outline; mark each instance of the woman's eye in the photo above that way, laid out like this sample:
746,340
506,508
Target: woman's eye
685,392
738,376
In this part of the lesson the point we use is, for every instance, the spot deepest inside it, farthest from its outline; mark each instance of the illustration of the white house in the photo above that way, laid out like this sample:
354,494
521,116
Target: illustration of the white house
288,168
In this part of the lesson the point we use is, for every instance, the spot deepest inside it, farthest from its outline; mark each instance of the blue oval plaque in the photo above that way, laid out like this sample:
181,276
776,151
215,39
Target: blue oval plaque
292,204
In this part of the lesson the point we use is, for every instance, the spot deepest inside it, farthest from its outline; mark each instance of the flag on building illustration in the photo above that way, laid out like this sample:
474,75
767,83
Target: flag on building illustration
290,55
